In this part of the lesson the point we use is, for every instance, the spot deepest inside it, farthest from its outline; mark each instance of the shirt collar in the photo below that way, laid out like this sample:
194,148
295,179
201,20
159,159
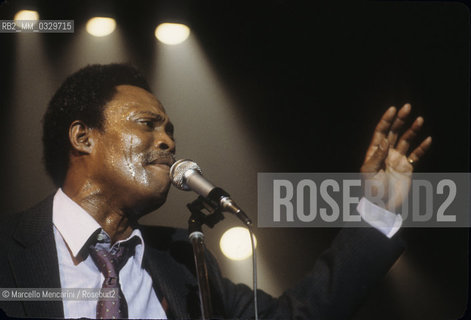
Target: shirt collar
76,226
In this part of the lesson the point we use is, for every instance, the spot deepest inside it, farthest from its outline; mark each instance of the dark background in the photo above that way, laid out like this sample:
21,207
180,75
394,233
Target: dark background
304,85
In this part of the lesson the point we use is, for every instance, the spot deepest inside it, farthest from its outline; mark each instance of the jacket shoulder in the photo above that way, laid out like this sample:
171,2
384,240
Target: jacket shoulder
29,224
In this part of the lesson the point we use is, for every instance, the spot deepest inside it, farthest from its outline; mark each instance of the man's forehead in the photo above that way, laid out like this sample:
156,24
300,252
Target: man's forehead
134,99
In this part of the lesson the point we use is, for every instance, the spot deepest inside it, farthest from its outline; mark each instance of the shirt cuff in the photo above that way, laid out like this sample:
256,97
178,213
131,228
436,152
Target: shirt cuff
381,219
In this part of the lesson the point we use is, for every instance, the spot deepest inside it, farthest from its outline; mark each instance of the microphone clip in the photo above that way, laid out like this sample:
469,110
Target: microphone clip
199,217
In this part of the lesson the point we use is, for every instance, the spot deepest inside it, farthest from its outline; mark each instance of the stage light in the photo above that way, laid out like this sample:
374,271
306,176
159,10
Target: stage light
172,33
235,243
26,15
100,26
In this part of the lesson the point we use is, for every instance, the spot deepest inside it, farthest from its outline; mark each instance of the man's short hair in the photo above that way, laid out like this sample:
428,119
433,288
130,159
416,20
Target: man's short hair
82,96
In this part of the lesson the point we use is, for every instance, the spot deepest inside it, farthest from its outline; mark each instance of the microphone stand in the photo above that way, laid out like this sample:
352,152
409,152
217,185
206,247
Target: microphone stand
196,236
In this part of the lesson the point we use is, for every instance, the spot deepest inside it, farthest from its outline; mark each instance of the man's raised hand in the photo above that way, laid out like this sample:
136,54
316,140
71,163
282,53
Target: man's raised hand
387,163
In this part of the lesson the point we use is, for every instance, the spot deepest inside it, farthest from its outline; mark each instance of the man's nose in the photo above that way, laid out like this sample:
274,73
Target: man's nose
165,143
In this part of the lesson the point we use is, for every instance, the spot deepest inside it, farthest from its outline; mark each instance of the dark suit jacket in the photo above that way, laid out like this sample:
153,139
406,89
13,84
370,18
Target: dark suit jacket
337,284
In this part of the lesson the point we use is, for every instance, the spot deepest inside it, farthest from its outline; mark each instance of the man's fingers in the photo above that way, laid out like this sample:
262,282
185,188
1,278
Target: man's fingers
382,128
381,131
376,161
419,152
398,123
408,136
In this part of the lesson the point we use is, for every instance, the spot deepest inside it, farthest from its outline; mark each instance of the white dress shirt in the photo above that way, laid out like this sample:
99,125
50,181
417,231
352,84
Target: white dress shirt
73,226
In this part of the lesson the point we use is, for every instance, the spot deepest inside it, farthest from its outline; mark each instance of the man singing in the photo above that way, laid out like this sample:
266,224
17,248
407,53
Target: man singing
108,147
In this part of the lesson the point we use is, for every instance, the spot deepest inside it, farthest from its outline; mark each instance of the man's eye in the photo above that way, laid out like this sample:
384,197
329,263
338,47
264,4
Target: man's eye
148,123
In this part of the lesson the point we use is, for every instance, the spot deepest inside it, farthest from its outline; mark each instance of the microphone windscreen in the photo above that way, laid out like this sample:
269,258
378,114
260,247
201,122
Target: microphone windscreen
178,170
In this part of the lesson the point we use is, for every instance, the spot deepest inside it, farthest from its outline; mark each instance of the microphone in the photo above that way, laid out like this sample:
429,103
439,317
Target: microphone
186,175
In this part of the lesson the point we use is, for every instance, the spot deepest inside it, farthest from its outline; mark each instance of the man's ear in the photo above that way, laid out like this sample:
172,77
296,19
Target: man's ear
81,137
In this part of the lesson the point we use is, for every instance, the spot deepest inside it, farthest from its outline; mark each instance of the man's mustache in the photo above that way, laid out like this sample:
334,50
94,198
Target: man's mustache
159,157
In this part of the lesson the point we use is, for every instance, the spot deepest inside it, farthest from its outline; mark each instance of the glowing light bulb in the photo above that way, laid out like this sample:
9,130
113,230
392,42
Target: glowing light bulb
235,243
172,33
26,15
100,26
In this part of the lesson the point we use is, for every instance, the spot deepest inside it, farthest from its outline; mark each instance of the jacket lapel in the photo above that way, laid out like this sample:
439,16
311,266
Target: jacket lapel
173,284
33,258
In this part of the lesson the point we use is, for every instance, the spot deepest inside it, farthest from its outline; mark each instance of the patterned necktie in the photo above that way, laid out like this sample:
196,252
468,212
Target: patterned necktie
110,263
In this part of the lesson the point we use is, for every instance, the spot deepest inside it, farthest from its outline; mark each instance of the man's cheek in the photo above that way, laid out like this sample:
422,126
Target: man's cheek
131,142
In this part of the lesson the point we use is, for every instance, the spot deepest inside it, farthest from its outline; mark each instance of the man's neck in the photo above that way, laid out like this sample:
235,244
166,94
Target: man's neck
112,219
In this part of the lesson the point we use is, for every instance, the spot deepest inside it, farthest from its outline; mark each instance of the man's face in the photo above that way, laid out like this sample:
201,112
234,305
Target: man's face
132,155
